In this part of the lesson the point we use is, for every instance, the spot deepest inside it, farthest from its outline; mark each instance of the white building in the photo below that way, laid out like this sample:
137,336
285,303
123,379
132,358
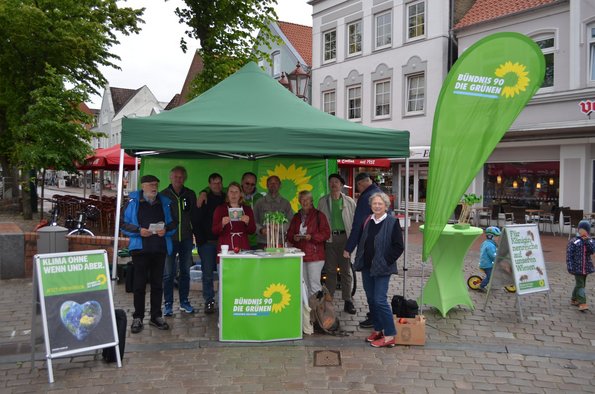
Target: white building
382,63
117,103
547,156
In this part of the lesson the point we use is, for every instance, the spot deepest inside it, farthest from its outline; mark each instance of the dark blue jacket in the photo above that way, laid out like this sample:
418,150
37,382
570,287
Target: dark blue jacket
388,247
578,256
131,228
362,211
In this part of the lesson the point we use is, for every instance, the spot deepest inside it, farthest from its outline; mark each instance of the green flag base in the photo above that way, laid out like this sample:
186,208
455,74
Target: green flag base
446,287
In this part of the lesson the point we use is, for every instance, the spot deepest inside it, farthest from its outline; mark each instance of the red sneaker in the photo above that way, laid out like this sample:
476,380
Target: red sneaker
376,335
382,343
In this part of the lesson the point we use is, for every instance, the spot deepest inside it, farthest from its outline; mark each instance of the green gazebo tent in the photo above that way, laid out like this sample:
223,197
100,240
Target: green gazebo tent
250,115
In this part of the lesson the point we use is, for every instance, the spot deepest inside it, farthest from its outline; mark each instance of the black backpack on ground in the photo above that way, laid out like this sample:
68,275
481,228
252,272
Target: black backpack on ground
404,308
109,353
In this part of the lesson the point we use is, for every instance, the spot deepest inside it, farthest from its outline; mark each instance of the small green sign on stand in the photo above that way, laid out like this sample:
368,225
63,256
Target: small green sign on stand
76,303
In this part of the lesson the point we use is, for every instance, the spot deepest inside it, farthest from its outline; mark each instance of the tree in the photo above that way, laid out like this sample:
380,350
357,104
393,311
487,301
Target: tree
45,44
227,30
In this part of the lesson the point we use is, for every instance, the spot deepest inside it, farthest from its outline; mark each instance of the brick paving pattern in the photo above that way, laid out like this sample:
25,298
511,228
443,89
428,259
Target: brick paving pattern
468,351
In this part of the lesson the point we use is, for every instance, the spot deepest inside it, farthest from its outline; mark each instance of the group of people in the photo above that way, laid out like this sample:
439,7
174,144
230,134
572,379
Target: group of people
163,227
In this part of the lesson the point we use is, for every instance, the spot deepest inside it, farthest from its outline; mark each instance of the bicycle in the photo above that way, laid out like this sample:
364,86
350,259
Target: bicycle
78,226
53,221
475,280
354,288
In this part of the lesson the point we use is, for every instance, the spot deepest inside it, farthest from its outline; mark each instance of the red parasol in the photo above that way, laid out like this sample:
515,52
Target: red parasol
107,159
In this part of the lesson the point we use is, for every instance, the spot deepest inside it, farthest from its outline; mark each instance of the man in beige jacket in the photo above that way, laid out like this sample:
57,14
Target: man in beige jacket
339,210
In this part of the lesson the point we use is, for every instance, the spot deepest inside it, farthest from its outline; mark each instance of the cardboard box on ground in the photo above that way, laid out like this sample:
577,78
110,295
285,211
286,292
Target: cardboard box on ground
411,333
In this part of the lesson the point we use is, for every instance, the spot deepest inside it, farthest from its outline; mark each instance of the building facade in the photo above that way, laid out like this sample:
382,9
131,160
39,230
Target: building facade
118,103
548,155
382,63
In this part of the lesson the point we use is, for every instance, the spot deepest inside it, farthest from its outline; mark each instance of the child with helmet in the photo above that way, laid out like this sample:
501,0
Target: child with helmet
487,254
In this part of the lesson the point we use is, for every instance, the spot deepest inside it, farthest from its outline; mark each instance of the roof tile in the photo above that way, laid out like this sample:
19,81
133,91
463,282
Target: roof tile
300,37
486,10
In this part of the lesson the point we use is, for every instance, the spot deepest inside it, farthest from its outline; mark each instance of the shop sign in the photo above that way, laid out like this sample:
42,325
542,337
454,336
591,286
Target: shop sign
587,106
381,163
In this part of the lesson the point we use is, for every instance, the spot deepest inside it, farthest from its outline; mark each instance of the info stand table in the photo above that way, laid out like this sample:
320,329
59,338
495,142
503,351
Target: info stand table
446,287
260,297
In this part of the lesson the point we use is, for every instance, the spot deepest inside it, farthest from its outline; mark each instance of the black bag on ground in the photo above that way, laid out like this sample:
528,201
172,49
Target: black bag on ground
129,277
109,353
404,308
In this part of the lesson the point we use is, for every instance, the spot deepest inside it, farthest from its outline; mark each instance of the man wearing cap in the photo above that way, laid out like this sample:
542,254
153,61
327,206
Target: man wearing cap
149,224
366,188
183,203
339,210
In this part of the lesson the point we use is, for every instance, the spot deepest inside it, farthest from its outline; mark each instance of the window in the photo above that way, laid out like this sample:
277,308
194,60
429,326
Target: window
276,63
415,93
354,103
329,102
330,46
592,54
383,30
547,47
382,99
416,20
354,32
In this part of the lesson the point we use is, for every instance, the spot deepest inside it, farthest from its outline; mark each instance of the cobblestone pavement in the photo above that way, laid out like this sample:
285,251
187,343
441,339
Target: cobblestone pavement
469,350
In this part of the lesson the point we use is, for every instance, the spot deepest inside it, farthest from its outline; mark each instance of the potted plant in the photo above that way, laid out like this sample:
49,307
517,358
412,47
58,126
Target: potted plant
467,201
275,235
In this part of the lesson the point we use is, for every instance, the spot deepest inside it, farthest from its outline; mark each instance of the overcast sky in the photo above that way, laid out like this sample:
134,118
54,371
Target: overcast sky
154,57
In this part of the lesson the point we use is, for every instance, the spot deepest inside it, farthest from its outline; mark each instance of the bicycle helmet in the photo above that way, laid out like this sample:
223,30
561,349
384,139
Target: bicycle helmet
492,230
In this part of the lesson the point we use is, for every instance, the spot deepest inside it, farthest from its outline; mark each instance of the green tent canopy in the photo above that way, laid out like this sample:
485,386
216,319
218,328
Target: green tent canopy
251,115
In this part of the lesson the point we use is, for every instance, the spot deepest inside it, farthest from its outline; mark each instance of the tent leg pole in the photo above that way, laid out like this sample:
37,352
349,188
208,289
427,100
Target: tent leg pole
117,219
406,251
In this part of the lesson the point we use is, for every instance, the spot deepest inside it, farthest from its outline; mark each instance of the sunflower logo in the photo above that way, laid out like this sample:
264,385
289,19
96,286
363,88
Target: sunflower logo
293,180
515,77
283,294
101,278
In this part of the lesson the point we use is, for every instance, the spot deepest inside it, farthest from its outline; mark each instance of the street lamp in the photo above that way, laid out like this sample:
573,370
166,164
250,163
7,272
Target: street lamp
284,81
298,81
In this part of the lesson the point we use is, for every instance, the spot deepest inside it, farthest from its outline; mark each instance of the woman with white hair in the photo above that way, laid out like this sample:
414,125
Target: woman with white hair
379,247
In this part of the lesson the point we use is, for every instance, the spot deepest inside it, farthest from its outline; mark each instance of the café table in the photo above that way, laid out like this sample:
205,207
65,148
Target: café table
533,214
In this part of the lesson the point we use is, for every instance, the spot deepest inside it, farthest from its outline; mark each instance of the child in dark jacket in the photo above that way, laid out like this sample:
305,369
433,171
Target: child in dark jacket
579,263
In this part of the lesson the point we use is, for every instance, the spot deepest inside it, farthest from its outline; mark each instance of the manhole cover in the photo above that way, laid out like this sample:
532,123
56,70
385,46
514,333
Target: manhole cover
327,358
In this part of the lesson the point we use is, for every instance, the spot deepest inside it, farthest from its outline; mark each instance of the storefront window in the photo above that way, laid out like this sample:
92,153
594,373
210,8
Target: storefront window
522,184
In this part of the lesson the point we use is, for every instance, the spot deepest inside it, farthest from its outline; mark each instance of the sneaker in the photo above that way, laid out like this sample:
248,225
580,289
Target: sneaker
583,307
574,302
383,343
349,308
366,323
210,307
160,323
168,310
186,307
376,335
137,325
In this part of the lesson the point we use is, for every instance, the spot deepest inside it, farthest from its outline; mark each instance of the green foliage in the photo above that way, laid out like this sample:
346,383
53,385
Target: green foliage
46,43
276,217
225,29
53,132
470,199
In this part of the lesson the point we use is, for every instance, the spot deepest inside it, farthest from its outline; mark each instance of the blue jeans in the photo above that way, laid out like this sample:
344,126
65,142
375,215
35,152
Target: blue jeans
376,288
486,280
208,259
184,252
